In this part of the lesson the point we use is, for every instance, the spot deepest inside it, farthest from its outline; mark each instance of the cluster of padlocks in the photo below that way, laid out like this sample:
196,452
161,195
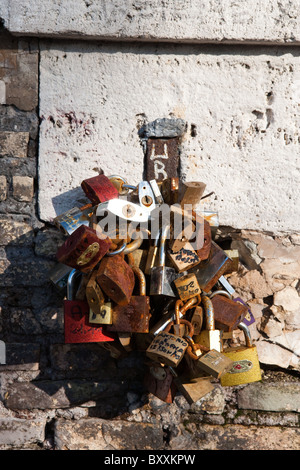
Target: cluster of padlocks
142,272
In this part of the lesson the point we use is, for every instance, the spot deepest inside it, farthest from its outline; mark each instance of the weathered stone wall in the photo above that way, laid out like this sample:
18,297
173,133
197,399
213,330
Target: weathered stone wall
61,396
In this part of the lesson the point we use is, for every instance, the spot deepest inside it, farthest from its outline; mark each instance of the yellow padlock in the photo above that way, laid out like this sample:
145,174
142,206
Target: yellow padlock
245,368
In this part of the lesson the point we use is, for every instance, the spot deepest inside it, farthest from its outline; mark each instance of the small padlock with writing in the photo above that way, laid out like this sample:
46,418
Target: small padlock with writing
187,286
169,348
245,368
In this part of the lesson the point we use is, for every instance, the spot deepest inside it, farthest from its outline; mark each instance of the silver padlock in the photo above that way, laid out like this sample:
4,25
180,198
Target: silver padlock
146,196
162,277
123,209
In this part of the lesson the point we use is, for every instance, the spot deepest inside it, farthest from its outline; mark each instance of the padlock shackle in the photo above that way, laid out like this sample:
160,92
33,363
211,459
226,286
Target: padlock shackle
162,249
221,292
209,313
70,284
242,326
142,280
117,252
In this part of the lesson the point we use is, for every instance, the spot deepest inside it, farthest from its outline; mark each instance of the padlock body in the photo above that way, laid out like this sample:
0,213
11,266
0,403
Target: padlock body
215,363
103,315
69,221
195,388
245,368
162,278
83,249
94,294
227,313
209,271
77,327
187,286
99,189
164,388
116,279
210,339
133,317
167,348
184,259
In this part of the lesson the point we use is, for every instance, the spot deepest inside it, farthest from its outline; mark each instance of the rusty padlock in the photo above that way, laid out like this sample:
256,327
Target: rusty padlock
227,312
160,382
99,189
116,279
133,317
83,249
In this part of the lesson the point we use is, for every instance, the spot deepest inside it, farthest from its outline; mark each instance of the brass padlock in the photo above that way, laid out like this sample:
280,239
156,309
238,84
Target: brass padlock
214,363
94,294
170,189
190,193
104,315
187,286
245,368
168,348
133,317
210,337
194,388
116,279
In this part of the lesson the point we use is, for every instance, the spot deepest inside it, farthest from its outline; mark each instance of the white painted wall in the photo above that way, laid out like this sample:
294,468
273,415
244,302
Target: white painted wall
243,101
175,20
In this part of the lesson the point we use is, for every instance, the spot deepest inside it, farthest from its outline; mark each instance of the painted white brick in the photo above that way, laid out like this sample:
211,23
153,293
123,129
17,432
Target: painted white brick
171,20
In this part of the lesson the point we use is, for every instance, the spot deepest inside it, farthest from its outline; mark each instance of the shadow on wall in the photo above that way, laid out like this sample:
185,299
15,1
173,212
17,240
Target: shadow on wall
69,199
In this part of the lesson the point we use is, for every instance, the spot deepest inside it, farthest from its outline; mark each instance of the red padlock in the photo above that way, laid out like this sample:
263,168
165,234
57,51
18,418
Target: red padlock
99,189
83,249
76,315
